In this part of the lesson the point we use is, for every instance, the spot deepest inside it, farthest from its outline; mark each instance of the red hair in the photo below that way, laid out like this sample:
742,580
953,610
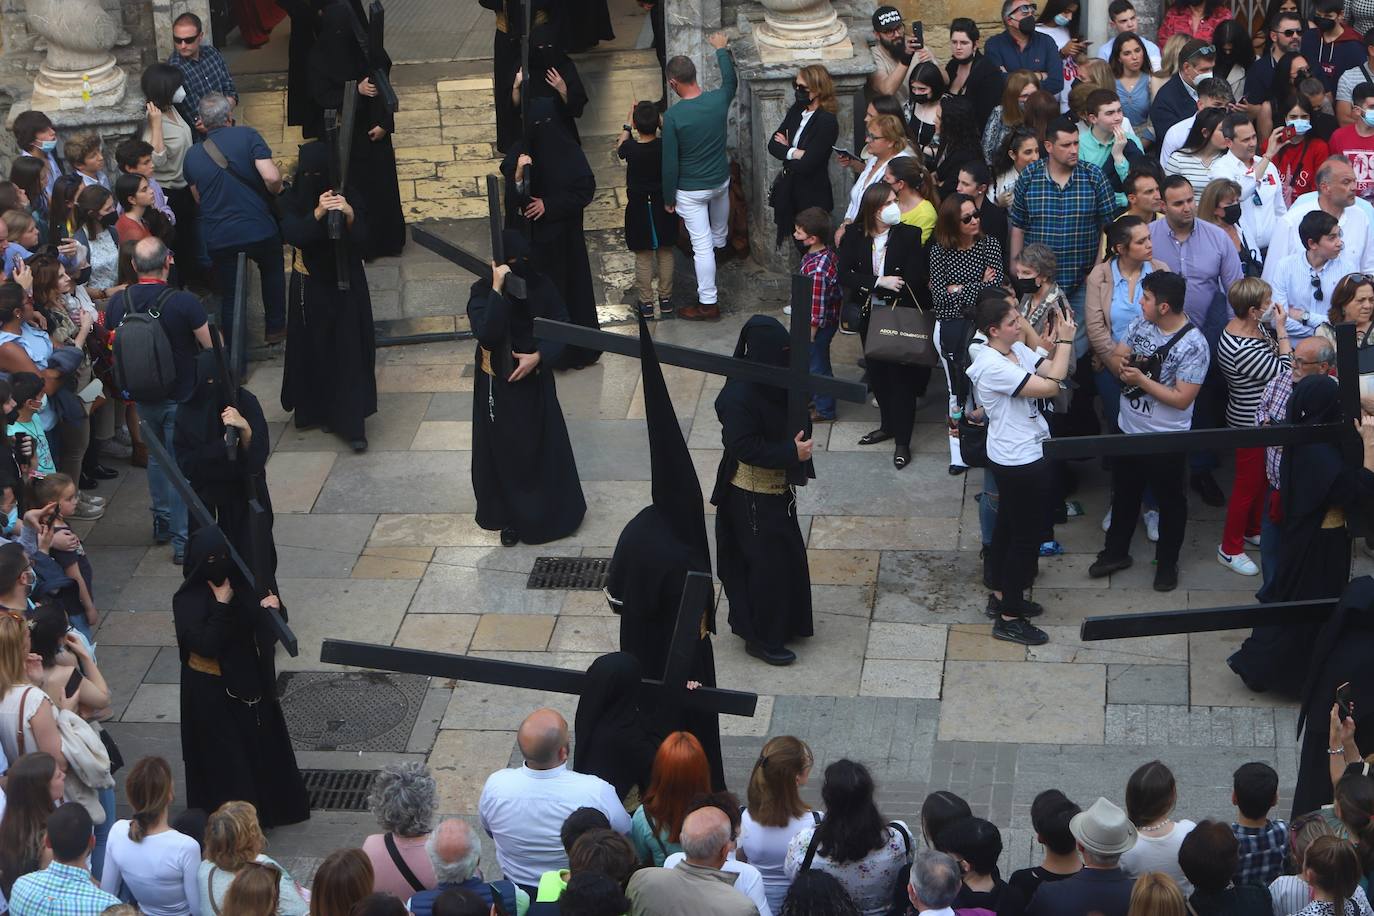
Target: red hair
680,774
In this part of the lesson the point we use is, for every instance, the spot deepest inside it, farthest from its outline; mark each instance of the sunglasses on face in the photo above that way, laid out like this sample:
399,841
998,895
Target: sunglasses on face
1024,8
1290,33
969,218
186,41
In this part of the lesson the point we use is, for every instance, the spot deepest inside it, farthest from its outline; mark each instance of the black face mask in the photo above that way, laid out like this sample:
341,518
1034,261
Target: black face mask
520,267
216,569
920,99
1327,24
12,416
1025,287
109,219
1231,213
1026,26
803,95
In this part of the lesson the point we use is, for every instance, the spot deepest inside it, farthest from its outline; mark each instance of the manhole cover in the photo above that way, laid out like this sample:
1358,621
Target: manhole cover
569,572
354,711
338,790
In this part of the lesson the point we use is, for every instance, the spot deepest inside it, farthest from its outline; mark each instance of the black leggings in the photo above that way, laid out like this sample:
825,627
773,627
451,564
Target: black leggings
1023,505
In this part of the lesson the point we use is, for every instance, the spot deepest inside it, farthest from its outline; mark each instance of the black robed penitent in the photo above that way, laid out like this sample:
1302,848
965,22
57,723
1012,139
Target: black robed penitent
614,739
233,734
523,471
760,553
653,555
331,351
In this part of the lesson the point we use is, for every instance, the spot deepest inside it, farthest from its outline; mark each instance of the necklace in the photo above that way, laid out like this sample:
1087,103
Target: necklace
1156,826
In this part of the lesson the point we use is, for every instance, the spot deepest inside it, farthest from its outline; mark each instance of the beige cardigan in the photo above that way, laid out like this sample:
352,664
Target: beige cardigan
1097,307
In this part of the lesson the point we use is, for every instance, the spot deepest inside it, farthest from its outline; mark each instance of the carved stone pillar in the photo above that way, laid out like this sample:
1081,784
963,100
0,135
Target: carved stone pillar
79,70
801,30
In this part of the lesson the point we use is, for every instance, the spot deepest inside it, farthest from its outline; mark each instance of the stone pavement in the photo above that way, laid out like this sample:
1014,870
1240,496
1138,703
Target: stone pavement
902,672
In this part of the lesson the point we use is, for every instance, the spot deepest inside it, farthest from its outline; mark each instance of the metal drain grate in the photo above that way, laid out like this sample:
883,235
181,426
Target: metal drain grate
338,790
569,572
350,711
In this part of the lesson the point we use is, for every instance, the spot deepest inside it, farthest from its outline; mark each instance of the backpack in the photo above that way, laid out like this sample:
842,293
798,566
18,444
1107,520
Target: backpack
143,366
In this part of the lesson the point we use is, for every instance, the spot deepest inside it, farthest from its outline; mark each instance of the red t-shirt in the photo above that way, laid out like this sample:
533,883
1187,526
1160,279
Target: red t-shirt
128,228
1360,151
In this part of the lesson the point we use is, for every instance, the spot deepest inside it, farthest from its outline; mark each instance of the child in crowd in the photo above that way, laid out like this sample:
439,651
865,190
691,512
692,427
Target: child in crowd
27,389
60,491
135,157
812,230
1263,842
21,234
650,230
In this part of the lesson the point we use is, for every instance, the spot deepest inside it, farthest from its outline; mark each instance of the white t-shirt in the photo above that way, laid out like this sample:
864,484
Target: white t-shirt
1159,853
1016,427
749,883
162,871
766,849
1186,361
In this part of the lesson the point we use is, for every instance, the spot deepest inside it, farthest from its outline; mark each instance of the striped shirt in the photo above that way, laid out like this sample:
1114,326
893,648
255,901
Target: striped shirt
1273,409
1191,167
1248,364
1068,218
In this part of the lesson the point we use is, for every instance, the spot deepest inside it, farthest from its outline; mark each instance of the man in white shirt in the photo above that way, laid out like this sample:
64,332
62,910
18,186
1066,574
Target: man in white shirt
935,882
1364,73
1212,92
1304,281
1261,186
1124,20
1335,195
523,808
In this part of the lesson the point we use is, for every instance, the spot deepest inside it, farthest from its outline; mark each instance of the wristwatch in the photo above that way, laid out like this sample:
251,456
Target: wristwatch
626,128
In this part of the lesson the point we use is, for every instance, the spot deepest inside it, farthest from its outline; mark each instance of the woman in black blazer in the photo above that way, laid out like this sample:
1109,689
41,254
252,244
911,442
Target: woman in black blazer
882,266
803,142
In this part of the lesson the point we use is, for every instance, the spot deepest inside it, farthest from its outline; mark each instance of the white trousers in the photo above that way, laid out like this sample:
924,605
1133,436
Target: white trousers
707,216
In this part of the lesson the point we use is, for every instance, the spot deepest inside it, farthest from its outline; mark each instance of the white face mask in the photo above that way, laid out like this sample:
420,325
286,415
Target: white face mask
179,96
891,214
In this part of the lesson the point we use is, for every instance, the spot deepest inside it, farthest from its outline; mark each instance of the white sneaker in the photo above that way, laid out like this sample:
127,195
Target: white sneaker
873,401
97,501
787,309
121,435
1252,539
112,448
1107,520
87,512
1240,563
1152,524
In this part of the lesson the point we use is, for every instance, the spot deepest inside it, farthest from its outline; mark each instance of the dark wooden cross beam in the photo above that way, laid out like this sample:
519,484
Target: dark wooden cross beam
372,42
338,134
697,592
261,582
1236,617
475,264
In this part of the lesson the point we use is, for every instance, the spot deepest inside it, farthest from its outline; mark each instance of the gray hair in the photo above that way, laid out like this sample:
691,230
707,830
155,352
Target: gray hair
1327,167
214,110
1097,859
702,840
465,866
1039,258
150,256
1006,7
935,879
404,797
1323,350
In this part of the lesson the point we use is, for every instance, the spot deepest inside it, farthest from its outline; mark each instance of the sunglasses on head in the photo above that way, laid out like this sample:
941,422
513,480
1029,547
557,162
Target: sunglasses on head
1204,51
16,616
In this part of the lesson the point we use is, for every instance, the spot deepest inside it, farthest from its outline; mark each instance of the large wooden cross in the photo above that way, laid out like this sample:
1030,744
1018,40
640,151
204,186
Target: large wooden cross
1231,617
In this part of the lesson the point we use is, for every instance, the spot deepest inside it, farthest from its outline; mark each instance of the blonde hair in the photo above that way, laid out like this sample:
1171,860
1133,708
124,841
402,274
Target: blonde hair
1157,894
232,836
14,635
17,222
889,128
822,87
253,892
1168,55
773,794
1096,73
1248,293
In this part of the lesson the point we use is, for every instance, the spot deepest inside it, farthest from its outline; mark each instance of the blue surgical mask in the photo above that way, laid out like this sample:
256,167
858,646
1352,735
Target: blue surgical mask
1300,125
11,518
1063,19
48,146
1369,116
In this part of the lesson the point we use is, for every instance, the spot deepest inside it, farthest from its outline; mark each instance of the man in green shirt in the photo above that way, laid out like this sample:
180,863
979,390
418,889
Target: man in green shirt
696,171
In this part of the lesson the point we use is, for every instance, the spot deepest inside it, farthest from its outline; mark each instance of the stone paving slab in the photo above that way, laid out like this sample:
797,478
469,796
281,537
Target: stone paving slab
1026,702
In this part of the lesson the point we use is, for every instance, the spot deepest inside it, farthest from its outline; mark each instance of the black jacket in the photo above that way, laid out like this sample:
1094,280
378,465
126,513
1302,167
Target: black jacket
983,86
804,182
906,257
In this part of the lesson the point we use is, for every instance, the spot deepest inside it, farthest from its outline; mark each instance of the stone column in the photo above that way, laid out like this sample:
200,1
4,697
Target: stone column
687,23
79,70
801,30
165,12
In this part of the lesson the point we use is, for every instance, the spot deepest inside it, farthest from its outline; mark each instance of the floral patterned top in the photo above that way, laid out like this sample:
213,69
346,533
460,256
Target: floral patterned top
1323,908
871,880
1180,19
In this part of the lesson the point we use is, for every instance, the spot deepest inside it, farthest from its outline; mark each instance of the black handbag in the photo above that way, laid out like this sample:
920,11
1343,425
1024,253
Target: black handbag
973,442
904,336
112,749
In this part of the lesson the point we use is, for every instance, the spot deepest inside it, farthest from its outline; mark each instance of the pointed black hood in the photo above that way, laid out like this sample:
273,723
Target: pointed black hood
676,490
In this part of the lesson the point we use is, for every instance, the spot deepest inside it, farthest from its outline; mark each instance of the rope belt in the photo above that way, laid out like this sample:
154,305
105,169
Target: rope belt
768,481
204,665
486,361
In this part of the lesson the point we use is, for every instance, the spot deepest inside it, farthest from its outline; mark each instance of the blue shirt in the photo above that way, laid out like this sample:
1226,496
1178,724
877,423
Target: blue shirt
1040,56
59,890
180,316
1125,307
1207,260
1069,219
232,214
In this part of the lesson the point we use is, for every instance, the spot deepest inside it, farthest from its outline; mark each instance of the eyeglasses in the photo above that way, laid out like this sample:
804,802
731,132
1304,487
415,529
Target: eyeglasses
1290,33
1023,8
1317,288
972,217
1204,51
177,39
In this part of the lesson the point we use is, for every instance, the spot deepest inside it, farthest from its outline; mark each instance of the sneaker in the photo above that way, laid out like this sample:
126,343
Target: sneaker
1019,629
1051,549
122,436
873,401
1107,520
1026,608
113,448
1166,578
1073,508
1152,524
665,308
1104,565
787,310
162,533
1253,540
97,501
87,512
646,311
1237,563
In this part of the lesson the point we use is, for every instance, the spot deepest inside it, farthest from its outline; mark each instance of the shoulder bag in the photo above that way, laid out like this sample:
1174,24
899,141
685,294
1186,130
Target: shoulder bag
401,865
259,188
1153,364
904,336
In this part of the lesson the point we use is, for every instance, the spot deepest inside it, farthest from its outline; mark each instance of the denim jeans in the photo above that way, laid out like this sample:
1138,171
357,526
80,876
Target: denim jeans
987,507
820,365
102,831
1270,532
169,512
267,254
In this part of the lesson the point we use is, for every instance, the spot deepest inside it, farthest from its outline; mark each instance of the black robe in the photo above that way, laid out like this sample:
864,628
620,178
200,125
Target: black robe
1345,645
564,181
586,23
224,486
505,61
1314,561
613,738
232,750
336,59
760,553
330,377
523,470
301,110
544,56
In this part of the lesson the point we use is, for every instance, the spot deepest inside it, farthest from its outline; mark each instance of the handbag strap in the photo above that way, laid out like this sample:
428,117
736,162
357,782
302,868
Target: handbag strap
496,900
19,736
217,157
210,890
415,883
810,851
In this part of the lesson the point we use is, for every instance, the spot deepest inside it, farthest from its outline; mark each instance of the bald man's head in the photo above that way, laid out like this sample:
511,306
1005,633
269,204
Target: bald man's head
1313,355
454,851
706,837
543,739
150,257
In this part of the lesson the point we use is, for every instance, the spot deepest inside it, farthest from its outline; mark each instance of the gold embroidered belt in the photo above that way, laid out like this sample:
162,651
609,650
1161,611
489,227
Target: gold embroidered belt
203,665
769,481
1334,518
540,17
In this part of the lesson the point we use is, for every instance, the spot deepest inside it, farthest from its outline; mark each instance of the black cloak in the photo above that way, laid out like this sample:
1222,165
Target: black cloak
224,486
563,180
301,110
1344,646
545,55
335,59
233,735
760,553
523,471
505,61
1315,478
656,550
614,740
330,377
586,23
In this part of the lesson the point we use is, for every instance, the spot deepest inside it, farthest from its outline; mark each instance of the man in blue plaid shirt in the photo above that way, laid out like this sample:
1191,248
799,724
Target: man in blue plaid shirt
65,887
1263,843
203,69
